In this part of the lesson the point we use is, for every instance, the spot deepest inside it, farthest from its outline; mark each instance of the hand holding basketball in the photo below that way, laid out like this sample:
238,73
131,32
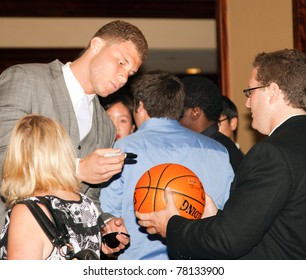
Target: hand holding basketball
210,207
156,222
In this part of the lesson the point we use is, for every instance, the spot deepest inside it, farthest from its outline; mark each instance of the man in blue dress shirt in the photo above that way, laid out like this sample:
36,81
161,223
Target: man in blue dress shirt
158,105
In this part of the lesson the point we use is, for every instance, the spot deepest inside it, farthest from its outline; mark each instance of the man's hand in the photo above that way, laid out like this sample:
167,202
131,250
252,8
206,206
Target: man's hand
210,208
156,222
115,225
95,168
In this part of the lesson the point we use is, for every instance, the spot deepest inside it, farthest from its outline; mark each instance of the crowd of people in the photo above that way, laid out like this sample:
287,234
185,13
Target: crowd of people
59,143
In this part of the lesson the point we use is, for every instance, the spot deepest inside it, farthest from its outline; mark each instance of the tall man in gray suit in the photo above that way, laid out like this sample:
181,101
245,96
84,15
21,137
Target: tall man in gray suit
55,90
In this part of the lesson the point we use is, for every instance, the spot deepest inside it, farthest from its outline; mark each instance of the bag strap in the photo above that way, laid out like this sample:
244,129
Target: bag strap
56,232
62,232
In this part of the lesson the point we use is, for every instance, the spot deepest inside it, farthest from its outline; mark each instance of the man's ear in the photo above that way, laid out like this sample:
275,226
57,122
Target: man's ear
140,106
141,110
195,113
233,123
140,114
96,44
133,128
274,92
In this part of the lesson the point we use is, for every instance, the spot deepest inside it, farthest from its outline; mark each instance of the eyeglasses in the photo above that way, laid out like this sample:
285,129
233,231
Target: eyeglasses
223,120
247,92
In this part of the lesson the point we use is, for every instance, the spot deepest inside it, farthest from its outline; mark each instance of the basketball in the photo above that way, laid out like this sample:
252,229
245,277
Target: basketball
187,190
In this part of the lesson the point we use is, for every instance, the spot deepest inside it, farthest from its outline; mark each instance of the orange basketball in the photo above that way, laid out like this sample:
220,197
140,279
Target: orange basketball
187,189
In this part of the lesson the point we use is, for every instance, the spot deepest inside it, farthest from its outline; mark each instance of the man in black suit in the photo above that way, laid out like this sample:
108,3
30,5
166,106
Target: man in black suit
265,215
202,109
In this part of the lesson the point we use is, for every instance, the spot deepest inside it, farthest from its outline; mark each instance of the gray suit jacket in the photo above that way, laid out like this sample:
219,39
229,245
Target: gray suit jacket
41,89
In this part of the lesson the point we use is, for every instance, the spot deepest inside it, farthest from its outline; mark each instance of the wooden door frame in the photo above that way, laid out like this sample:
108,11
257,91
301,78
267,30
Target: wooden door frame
223,46
299,24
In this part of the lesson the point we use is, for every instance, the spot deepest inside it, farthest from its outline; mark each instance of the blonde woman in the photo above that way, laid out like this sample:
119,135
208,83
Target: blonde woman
40,162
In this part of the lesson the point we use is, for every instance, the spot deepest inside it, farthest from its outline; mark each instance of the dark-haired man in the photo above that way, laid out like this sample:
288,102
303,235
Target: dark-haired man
158,103
202,109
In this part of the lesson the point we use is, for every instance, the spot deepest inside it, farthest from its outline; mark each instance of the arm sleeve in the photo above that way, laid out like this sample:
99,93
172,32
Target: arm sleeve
259,193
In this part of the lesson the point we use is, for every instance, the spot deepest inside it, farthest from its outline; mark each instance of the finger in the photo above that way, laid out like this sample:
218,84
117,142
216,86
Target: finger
119,222
102,160
170,204
169,196
123,242
119,248
106,229
106,250
152,230
123,239
143,216
146,223
100,152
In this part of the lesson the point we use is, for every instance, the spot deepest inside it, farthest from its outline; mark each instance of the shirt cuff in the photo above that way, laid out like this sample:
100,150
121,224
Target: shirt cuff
107,220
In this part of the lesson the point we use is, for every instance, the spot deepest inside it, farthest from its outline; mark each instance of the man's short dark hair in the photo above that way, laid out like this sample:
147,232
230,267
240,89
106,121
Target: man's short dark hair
203,93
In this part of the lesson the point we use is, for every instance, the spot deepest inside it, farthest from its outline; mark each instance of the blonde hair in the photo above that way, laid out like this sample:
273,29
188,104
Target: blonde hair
39,158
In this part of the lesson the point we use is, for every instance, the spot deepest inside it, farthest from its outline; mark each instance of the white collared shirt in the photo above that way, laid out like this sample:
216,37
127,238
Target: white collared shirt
76,91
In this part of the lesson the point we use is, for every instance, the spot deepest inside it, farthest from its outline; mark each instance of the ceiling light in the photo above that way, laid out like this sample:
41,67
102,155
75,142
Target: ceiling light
193,71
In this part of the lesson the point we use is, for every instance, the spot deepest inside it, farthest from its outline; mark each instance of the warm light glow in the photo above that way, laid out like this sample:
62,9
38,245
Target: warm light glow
193,71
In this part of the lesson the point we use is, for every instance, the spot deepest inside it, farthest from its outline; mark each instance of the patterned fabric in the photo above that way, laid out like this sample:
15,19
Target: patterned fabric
82,221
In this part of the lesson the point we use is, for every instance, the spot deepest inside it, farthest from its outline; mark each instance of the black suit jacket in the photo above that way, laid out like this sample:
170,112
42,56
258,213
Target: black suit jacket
265,216
234,152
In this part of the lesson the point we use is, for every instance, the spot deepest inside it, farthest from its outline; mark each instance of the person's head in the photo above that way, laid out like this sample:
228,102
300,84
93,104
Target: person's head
115,52
39,158
119,31
157,94
228,121
203,103
120,110
277,88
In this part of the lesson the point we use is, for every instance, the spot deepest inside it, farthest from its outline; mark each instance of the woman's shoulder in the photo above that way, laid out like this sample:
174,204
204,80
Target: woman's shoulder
25,233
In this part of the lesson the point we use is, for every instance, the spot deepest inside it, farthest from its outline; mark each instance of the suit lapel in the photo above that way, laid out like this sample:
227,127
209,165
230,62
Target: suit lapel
62,102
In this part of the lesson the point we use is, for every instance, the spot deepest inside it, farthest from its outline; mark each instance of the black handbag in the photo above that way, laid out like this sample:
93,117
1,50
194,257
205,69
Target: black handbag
57,232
